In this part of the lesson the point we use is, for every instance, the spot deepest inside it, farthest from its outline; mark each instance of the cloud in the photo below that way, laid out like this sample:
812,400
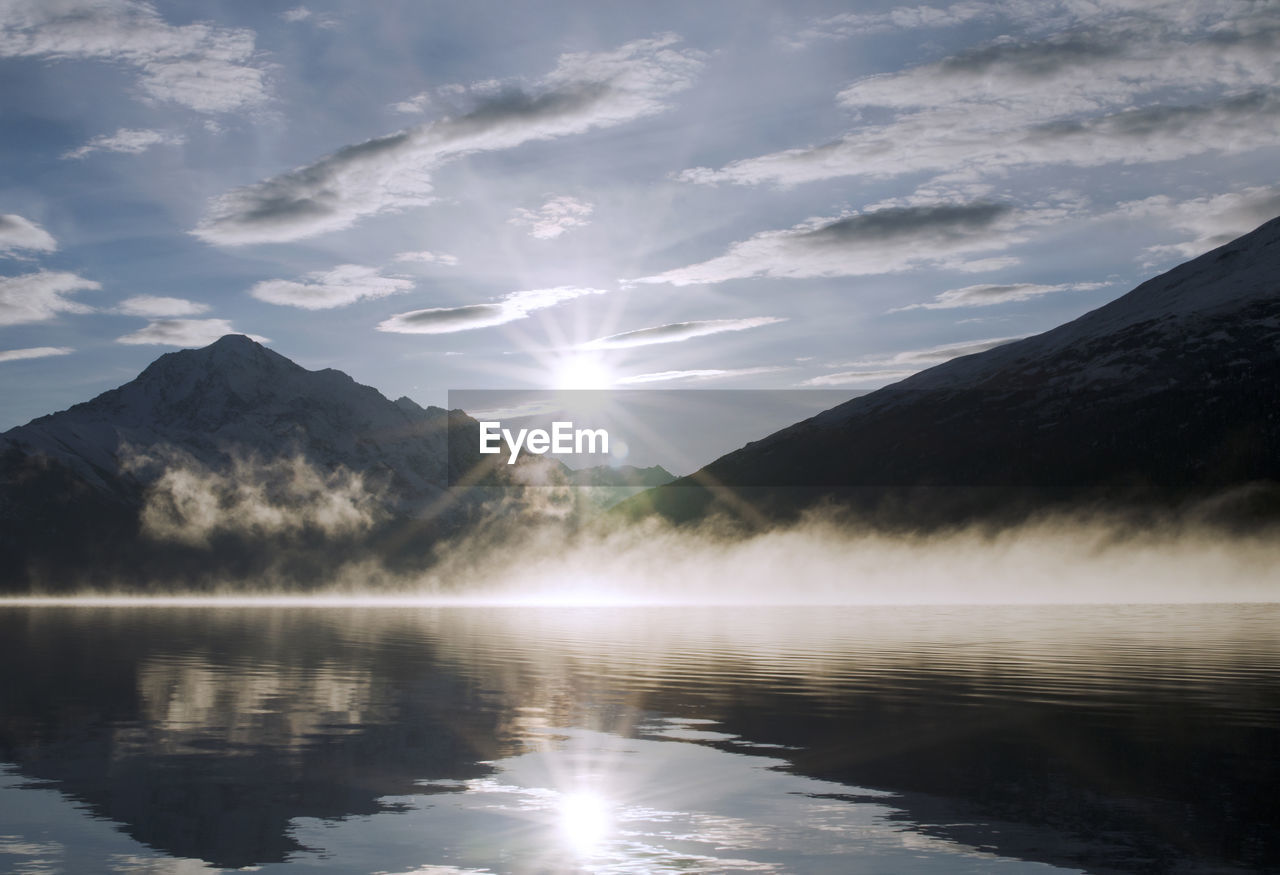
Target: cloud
1212,221
425,257
36,297
996,138
393,172
858,378
413,105
190,502
128,141
17,233
187,333
447,320
1126,82
35,352
850,24
326,289
702,374
883,369
153,306
201,66
991,294
297,13
677,331
885,240
554,217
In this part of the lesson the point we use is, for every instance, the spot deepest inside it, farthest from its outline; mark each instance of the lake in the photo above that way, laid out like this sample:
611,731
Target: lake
435,740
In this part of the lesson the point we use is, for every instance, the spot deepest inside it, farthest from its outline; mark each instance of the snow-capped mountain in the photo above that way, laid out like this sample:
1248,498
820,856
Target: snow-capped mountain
235,460
1170,392
235,396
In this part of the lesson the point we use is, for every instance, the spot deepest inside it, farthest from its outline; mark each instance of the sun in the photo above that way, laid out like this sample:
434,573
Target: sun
581,370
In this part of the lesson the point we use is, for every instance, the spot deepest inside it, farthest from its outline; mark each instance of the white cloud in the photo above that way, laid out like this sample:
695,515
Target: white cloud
1212,221
35,352
447,320
17,233
850,24
693,375
392,172
858,378
183,332
128,141
887,368
554,217
190,502
35,297
201,66
425,257
675,332
878,241
1109,83
158,307
297,13
326,289
987,295
413,105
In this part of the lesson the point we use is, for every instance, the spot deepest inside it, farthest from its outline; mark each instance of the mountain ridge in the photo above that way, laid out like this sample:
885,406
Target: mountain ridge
1165,394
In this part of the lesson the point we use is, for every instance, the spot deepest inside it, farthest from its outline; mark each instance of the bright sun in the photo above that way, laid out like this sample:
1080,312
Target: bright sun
581,371
584,819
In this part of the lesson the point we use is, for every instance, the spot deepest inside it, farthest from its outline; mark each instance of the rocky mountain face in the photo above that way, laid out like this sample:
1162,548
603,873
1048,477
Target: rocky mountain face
231,461
1165,396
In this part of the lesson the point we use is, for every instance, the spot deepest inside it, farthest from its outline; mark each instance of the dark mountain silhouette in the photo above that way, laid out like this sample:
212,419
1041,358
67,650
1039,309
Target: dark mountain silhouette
1164,397
232,462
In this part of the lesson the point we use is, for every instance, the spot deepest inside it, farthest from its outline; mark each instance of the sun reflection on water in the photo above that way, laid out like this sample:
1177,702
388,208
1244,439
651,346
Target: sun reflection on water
584,821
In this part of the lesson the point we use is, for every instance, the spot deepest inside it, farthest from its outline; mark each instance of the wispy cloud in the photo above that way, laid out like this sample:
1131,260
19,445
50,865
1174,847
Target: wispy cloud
183,332
414,105
879,241
696,375
1130,83
1212,221
425,257
875,376
850,24
17,233
393,172
158,307
36,297
201,66
554,217
296,14
991,294
326,289
127,140
676,332
447,320
34,352
887,368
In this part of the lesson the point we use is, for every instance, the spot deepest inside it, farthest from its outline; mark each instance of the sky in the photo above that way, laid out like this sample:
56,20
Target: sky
439,196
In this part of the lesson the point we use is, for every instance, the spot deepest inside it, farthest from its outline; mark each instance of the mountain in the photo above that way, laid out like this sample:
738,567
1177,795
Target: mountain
232,462
1167,395
237,396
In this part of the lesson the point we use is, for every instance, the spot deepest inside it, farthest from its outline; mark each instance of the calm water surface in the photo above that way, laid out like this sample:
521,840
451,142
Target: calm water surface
810,740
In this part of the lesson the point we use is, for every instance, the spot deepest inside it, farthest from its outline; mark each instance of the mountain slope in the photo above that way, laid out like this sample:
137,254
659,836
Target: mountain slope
238,396
1167,394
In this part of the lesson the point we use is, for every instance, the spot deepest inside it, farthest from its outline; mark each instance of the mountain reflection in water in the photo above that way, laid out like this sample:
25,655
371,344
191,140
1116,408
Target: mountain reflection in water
437,740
